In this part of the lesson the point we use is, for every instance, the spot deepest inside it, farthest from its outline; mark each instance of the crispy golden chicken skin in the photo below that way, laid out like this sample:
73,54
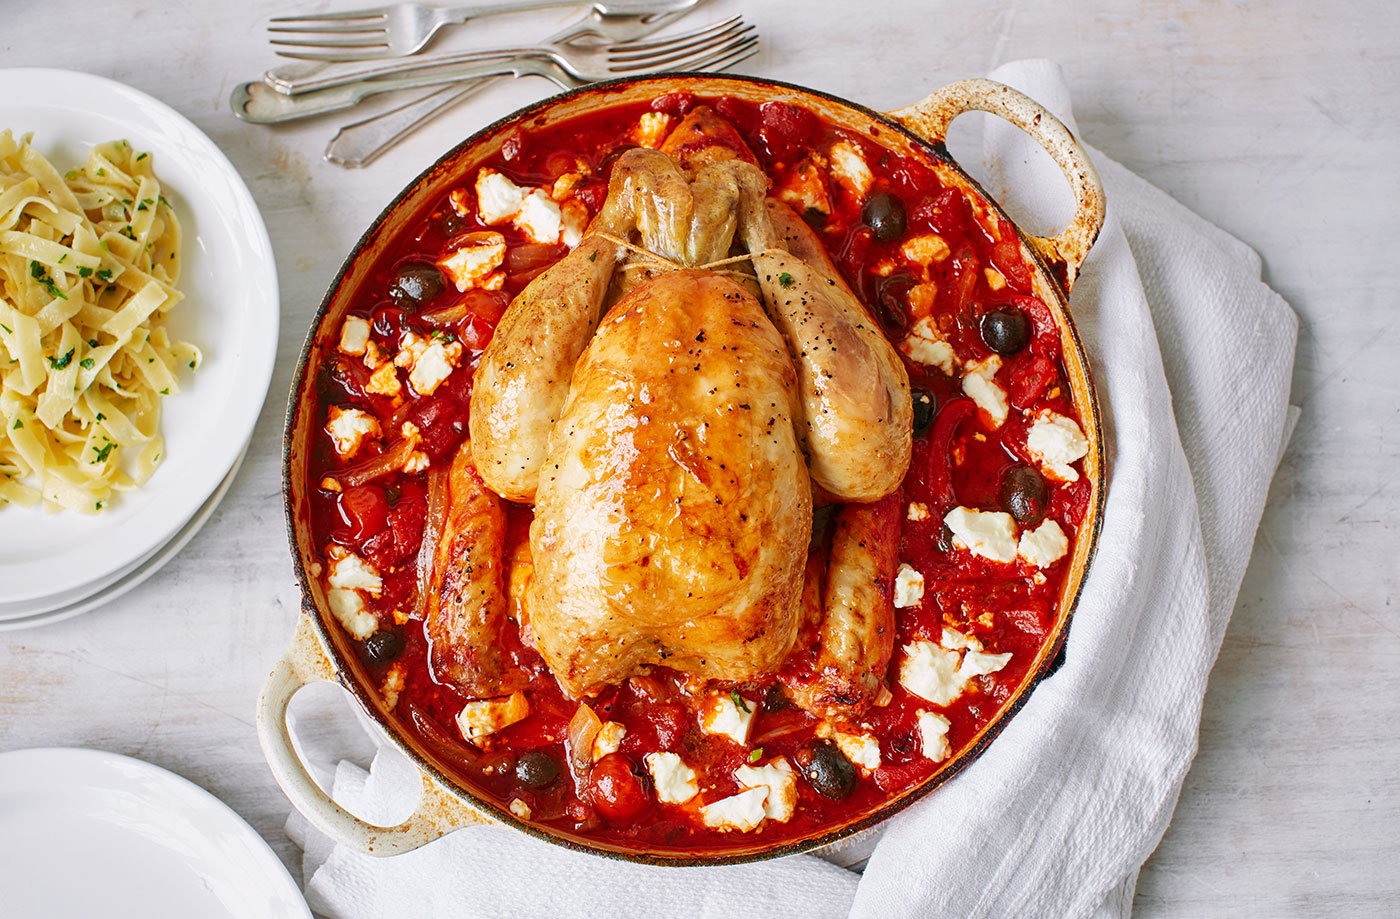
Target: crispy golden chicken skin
673,512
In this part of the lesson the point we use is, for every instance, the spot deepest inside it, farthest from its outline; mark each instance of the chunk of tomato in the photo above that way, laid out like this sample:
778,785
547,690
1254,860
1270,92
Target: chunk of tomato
617,789
365,510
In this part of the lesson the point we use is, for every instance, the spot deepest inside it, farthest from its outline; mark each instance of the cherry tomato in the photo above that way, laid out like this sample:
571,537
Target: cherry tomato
616,789
365,510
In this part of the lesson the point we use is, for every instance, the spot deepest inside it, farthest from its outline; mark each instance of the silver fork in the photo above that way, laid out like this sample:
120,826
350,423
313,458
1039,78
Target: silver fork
401,29
614,59
360,143
261,104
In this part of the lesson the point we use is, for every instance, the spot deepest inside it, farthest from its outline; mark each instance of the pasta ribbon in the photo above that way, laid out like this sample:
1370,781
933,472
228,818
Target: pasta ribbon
89,263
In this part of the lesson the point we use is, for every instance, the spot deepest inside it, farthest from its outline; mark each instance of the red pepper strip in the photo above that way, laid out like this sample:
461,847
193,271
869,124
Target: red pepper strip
940,469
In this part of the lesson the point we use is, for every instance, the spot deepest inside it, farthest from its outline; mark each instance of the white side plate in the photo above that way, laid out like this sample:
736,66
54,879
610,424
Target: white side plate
85,833
230,311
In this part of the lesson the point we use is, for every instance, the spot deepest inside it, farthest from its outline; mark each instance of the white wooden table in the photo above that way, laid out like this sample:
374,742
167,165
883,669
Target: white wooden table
1280,123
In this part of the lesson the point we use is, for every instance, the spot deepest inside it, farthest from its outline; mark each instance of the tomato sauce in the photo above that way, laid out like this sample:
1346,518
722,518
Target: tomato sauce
958,459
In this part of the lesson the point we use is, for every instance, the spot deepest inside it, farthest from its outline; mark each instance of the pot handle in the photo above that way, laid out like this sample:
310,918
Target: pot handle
438,812
1065,251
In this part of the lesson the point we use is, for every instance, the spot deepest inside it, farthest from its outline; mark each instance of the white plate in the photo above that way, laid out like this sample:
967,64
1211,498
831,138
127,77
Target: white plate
85,834
109,589
230,311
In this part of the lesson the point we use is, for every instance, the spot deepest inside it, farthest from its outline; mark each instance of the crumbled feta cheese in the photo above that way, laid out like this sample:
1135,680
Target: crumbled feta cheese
1056,441
384,381
921,298
978,384
673,780
417,461
990,534
433,366
926,345
1045,545
954,640
475,261
410,347
487,716
918,510
781,782
573,221
520,809
933,733
908,587
930,672
539,217
349,427
861,749
458,199
651,129
805,190
742,812
350,572
348,607
995,279
849,168
721,715
564,186
608,739
354,335
926,249
978,663
393,685
497,197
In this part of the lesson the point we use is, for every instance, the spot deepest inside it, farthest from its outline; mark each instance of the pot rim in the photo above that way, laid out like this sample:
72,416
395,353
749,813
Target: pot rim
1052,652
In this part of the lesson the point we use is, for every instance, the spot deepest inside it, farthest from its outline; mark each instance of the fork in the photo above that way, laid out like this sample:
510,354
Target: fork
360,143
401,29
566,65
615,59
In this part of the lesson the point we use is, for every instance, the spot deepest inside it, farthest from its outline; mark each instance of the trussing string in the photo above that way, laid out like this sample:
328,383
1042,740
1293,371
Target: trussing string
655,260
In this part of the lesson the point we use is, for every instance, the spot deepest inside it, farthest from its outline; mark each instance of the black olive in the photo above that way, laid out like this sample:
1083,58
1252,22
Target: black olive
1005,330
925,407
415,283
944,543
537,769
382,647
453,223
892,303
884,213
1023,494
828,771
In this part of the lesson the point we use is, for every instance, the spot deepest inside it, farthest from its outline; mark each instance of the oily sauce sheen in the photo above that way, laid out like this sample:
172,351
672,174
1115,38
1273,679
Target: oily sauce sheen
957,460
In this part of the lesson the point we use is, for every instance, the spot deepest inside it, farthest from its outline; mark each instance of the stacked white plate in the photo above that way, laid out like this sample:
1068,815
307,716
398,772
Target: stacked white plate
55,566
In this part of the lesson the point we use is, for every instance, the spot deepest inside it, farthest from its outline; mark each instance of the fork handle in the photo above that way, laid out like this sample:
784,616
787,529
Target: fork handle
261,104
363,142
294,79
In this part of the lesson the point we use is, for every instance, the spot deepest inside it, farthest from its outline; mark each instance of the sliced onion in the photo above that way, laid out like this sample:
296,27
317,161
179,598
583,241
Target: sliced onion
432,531
582,729
448,315
391,460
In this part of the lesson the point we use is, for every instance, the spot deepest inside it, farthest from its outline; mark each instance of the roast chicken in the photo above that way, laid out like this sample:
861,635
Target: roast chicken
671,420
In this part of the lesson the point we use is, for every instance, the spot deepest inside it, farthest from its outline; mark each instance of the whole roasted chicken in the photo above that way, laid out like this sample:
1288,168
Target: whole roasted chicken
672,396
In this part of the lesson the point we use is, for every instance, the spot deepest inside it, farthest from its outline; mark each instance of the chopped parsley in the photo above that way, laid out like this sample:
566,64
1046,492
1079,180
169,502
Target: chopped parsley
58,363
165,392
593,256
7,329
63,258
785,279
101,171
756,754
103,244
38,272
161,199
141,156
71,174
145,204
101,417
191,365
126,231
17,425
92,343
98,506
103,451
84,272
87,363
739,701
104,274
440,335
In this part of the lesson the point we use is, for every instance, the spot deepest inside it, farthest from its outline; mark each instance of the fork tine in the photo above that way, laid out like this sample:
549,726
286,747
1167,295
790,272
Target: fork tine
360,26
737,56
662,43
680,59
332,43
732,50
375,12
674,52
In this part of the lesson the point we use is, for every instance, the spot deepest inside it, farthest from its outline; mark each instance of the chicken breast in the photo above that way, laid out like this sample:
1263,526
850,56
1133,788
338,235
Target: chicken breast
673,512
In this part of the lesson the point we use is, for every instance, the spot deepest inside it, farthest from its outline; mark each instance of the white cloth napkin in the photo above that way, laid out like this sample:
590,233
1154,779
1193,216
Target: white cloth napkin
1192,355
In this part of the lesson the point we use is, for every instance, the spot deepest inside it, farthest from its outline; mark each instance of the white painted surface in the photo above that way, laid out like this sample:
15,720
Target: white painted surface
1279,122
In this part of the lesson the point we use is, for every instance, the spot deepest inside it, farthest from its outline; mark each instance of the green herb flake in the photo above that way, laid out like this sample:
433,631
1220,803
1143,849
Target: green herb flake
101,417
126,231
161,199
17,425
785,279
145,204
8,330
104,451
104,274
141,156
38,272
71,174
440,335
191,365
103,244
92,343
58,363
165,392
87,363
755,755
101,171
63,258
593,256
739,701
84,272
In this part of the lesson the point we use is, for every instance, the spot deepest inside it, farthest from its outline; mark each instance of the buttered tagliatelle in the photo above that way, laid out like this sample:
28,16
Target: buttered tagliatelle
89,260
